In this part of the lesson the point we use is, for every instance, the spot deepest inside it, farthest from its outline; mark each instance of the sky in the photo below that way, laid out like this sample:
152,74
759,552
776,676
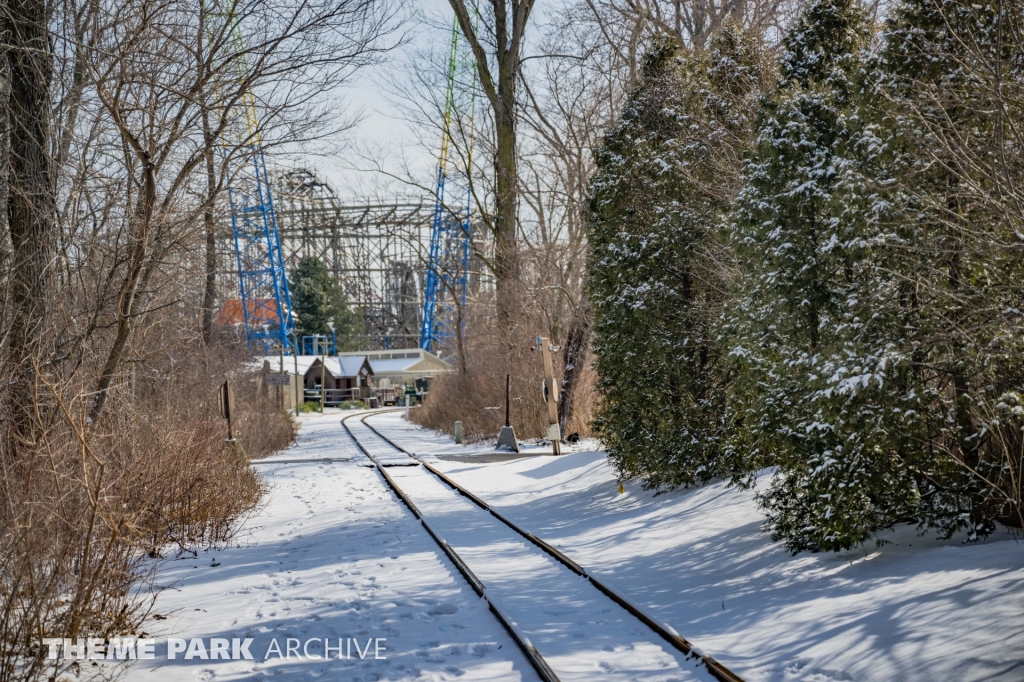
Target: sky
385,138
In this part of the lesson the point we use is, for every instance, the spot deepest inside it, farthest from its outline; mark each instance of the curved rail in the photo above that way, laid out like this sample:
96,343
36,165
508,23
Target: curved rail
520,637
719,671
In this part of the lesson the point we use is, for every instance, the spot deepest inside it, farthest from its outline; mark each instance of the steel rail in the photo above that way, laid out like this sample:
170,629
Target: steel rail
506,620
666,631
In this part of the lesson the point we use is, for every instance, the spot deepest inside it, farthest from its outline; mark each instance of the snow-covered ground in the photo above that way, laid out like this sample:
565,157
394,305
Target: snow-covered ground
579,631
334,554
917,609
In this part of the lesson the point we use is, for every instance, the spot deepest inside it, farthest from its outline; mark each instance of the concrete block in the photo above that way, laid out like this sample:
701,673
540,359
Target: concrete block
507,439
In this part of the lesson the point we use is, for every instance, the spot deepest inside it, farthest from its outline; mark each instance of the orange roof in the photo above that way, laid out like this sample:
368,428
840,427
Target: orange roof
261,311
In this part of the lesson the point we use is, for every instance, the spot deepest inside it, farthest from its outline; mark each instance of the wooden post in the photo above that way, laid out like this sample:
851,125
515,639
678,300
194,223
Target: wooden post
550,396
323,379
299,387
227,406
280,389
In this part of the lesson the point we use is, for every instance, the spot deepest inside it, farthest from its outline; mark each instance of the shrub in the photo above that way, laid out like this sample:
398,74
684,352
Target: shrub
83,506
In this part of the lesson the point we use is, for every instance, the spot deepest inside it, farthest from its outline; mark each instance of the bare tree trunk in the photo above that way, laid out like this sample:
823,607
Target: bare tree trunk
31,204
506,248
510,19
129,301
577,348
5,149
209,225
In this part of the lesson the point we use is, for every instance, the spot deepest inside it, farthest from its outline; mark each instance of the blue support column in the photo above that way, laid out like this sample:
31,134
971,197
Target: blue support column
263,284
450,237
446,270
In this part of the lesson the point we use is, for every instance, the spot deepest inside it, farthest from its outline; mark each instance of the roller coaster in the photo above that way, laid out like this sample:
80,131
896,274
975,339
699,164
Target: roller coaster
406,266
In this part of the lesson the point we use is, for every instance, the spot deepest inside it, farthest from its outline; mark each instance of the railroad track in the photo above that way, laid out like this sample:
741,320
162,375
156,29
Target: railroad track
540,664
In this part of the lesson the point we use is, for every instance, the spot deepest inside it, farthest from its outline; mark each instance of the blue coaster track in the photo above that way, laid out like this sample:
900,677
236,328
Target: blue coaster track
450,236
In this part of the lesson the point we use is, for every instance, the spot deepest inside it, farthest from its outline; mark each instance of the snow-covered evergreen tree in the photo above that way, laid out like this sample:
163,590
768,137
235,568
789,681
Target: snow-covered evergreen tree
950,79
826,386
659,270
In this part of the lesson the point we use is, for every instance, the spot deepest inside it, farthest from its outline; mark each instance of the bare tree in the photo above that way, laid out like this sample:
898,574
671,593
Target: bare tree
176,87
497,51
111,174
692,22
5,139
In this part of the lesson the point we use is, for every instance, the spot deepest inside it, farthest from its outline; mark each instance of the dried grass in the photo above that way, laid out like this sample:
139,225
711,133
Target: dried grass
476,397
83,506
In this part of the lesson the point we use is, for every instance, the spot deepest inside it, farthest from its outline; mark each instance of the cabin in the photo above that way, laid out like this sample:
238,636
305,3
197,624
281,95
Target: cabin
348,377
395,371
391,373
402,366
